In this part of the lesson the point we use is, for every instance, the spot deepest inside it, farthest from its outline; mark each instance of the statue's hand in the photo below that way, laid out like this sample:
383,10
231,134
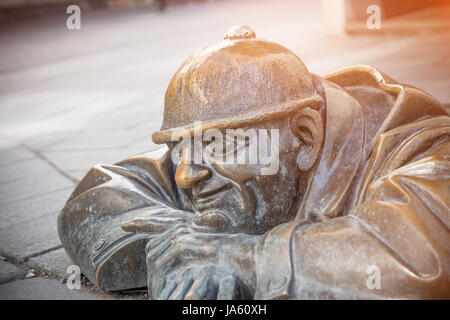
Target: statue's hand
156,222
208,282
180,248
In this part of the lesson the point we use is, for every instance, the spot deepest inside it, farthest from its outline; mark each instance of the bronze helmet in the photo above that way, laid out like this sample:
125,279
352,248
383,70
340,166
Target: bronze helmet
238,81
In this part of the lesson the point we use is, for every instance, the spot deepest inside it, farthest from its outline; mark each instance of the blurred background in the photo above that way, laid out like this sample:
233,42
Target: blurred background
71,98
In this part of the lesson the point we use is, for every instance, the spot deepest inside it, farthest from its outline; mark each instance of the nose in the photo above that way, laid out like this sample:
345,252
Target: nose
188,175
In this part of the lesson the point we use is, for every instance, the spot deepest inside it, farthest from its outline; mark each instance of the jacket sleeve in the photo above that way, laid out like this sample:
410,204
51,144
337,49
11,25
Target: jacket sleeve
89,224
393,244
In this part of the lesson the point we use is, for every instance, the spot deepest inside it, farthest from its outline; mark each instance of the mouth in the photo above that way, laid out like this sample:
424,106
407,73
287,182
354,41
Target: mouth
208,196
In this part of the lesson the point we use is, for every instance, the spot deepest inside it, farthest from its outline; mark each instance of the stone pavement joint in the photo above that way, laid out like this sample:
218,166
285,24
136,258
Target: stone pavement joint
53,262
19,262
42,252
53,165
10,272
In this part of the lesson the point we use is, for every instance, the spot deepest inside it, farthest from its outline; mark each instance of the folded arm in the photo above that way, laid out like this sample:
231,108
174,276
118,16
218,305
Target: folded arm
90,224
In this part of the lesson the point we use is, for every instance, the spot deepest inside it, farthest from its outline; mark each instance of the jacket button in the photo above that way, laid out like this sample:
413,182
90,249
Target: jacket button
277,283
99,244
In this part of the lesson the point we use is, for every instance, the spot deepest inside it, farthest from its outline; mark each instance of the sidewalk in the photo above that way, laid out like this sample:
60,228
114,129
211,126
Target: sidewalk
72,99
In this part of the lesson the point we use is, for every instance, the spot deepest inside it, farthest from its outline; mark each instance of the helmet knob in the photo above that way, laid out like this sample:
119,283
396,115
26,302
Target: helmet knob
240,32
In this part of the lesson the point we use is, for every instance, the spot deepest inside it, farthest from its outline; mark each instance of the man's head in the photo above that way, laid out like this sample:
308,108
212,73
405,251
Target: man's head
254,98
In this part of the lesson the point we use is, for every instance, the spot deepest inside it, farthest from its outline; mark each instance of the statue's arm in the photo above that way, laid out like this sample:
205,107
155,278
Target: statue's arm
90,223
395,244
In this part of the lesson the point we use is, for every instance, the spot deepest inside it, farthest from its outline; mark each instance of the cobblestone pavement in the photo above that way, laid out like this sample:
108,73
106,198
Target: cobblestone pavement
72,99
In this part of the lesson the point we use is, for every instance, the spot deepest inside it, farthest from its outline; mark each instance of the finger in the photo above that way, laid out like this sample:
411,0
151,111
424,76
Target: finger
156,272
170,286
153,242
171,253
156,249
184,247
155,282
141,224
186,282
228,288
165,236
202,288
152,225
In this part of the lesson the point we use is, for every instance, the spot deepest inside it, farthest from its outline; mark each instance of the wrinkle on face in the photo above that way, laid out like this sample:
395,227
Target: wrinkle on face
252,202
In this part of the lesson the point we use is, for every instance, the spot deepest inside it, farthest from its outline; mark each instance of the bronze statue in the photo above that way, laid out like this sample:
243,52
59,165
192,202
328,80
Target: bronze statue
357,206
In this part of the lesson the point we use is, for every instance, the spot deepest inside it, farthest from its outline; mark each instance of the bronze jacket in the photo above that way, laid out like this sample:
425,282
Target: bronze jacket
379,198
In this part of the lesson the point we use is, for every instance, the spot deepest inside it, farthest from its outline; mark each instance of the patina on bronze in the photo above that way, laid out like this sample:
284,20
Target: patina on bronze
363,184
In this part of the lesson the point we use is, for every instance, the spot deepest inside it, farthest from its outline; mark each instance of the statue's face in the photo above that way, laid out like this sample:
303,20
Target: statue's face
241,196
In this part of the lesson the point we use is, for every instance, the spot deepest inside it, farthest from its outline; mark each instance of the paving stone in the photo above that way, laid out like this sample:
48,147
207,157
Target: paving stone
144,144
47,289
40,141
30,237
33,185
9,272
22,169
14,212
77,174
13,153
100,140
35,105
64,121
55,261
83,160
131,116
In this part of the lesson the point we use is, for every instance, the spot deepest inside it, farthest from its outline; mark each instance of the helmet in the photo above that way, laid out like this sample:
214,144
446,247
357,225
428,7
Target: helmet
236,82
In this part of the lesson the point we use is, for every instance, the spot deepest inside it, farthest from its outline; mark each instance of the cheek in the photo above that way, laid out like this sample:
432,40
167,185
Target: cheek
239,173
280,190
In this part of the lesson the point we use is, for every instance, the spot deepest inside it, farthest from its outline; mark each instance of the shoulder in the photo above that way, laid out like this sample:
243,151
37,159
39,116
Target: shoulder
386,103
89,223
144,168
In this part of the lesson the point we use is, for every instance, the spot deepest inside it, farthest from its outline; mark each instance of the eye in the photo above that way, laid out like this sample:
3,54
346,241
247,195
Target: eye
171,144
218,148
241,143
209,142
177,151
229,145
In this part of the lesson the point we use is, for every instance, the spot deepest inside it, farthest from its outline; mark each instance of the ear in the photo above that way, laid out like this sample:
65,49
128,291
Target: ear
307,126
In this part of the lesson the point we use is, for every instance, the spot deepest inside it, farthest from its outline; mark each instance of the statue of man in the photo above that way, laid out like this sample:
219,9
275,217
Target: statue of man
353,202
